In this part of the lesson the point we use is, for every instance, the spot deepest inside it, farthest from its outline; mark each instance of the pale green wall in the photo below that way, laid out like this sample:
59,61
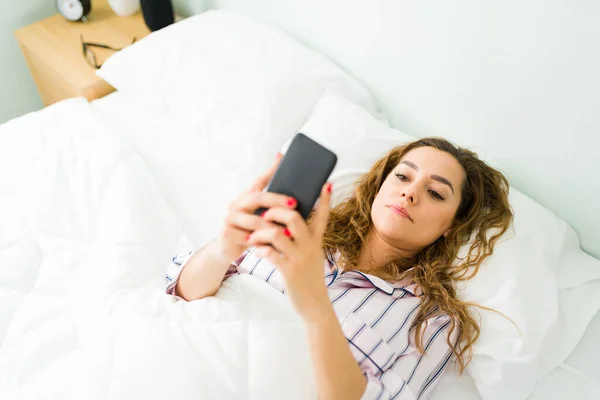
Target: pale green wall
18,93
185,8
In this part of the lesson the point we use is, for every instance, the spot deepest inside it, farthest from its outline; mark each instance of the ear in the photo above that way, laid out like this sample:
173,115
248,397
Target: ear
447,232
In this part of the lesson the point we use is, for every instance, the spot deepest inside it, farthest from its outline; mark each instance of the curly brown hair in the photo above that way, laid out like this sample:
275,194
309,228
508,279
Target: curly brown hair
484,206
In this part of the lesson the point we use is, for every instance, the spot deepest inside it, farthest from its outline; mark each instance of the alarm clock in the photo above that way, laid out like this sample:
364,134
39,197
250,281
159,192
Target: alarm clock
74,10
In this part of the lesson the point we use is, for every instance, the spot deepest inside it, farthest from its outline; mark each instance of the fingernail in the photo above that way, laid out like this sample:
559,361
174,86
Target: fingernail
329,185
287,233
248,237
263,214
291,203
278,156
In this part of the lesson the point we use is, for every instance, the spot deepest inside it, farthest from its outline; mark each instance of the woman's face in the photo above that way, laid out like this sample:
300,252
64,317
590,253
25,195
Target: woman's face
418,199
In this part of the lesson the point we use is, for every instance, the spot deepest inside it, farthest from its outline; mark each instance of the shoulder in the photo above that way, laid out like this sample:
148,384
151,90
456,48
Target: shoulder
438,328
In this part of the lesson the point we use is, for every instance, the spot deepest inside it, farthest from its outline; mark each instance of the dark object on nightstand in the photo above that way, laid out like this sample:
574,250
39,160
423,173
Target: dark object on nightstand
157,13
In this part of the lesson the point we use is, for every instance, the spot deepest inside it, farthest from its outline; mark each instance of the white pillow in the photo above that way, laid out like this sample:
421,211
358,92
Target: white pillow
236,80
519,280
225,92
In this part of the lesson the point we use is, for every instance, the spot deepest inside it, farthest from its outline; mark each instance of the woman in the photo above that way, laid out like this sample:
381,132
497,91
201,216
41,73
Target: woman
373,279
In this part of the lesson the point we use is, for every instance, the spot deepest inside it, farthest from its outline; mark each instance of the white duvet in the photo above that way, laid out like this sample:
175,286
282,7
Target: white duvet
86,236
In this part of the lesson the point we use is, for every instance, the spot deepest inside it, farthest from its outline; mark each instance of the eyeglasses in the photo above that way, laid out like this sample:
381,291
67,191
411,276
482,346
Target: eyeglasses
89,54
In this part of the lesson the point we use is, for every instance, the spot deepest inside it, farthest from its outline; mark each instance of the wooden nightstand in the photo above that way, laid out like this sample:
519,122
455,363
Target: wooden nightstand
52,48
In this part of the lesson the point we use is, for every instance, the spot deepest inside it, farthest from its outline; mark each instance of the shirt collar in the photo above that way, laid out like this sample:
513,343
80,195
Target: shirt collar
407,285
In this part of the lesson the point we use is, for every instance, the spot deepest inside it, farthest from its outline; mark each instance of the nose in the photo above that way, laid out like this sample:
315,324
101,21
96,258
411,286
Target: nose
408,193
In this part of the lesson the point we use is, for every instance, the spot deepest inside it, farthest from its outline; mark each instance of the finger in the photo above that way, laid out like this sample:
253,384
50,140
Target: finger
249,202
262,181
292,220
269,253
276,238
247,222
236,236
318,223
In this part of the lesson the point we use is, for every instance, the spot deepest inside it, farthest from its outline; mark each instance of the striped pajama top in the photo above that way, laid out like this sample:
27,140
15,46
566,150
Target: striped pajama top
376,318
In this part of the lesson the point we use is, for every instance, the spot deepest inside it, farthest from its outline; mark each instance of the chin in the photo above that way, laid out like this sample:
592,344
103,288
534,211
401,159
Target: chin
392,227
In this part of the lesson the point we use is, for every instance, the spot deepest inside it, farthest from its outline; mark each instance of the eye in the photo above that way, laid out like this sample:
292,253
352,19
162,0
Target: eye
403,178
436,195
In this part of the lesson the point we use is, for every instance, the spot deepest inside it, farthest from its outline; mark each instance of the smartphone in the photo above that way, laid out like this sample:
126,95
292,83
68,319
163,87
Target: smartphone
302,172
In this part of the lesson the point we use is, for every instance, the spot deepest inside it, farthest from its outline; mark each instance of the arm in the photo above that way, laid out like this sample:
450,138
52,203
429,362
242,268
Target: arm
196,262
300,260
337,373
199,274
193,276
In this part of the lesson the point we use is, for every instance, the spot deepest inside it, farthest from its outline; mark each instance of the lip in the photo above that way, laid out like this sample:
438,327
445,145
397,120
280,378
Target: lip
401,211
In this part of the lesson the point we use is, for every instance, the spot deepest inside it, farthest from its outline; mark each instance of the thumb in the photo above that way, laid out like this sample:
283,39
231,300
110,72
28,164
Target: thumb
321,215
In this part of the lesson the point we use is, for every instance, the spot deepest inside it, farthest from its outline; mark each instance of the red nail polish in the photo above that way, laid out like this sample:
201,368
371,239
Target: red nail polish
263,214
287,233
329,185
248,237
291,203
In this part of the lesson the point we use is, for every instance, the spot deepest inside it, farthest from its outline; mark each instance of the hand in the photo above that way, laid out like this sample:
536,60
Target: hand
297,251
240,221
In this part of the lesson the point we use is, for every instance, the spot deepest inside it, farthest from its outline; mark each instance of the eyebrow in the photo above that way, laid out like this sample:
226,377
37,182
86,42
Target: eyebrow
438,178
443,180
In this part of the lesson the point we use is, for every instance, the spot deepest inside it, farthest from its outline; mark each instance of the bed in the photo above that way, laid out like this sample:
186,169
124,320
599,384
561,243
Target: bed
97,197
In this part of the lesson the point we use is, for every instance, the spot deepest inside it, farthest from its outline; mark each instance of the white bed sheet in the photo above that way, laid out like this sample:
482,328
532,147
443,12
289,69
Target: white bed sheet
586,356
72,311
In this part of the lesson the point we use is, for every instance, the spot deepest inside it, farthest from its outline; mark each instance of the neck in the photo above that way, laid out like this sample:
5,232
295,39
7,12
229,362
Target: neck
376,252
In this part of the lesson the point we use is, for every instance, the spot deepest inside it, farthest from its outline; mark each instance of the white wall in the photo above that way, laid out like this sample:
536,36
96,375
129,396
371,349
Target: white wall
18,93
517,81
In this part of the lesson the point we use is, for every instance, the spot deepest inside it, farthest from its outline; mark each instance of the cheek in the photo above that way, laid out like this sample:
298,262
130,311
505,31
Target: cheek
379,214
381,199
437,218
376,207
